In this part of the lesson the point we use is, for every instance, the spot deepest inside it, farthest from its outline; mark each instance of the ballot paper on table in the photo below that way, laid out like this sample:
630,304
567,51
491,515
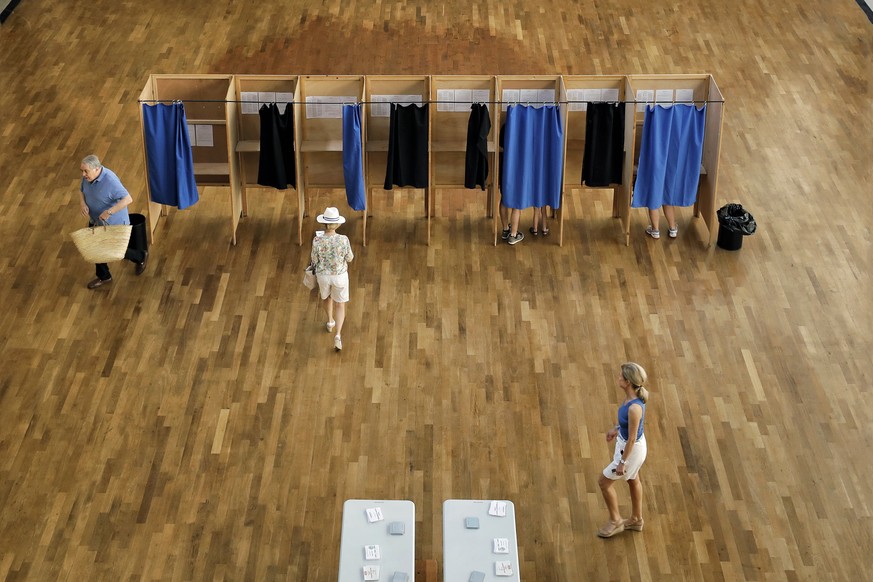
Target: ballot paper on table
375,514
372,553
503,568
372,572
501,546
497,509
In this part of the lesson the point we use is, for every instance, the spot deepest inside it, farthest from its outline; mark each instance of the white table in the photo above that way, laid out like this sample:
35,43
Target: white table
468,550
397,551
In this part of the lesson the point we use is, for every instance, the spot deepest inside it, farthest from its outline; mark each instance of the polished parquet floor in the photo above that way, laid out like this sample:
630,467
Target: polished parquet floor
194,423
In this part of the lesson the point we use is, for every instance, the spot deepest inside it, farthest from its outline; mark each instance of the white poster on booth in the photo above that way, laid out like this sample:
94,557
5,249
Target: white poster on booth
249,102
463,98
445,99
204,135
283,99
644,97
546,96
610,95
528,96
481,96
684,95
510,97
664,97
574,98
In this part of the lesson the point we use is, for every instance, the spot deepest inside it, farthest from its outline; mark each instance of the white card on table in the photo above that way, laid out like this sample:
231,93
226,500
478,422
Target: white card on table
497,508
501,546
371,572
372,553
375,514
503,568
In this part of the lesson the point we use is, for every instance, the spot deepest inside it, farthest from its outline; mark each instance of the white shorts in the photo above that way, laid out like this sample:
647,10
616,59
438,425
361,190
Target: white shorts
633,464
335,286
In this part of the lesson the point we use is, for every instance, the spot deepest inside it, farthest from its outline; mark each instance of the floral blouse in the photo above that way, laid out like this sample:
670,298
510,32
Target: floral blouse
331,254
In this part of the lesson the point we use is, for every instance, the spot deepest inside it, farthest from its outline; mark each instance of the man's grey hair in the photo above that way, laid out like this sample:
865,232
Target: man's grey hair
91,161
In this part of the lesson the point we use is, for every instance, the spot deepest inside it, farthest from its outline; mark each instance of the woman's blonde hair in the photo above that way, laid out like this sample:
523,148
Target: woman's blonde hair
636,375
331,226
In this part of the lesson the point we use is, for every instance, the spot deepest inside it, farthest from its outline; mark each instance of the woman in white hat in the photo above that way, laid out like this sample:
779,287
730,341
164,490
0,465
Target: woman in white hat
331,255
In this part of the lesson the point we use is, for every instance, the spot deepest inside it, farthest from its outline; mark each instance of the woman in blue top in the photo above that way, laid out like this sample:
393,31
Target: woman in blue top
630,452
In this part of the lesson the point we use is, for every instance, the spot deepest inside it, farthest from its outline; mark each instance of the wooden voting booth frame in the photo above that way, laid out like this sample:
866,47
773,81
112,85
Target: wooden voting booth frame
574,115
233,159
377,130
449,121
705,91
320,138
248,148
209,100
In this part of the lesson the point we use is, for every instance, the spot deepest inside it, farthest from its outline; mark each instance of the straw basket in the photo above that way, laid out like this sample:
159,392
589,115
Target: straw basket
102,244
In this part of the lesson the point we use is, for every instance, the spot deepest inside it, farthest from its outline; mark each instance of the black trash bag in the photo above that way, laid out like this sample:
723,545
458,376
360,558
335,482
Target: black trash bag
736,219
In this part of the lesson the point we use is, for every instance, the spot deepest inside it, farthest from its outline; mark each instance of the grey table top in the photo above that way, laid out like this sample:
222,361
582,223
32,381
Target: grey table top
468,550
397,551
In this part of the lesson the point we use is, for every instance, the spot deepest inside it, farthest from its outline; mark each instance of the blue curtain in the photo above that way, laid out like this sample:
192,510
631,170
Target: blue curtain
533,157
670,153
168,150
353,160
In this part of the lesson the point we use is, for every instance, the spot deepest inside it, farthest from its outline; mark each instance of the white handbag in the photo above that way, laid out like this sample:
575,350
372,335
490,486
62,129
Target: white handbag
309,280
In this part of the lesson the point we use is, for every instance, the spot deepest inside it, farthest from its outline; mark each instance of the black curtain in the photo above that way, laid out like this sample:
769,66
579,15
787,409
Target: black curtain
407,147
604,145
276,165
476,161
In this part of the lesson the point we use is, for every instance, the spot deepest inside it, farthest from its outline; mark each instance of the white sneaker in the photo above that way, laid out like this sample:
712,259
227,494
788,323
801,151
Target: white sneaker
673,232
330,325
656,234
337,343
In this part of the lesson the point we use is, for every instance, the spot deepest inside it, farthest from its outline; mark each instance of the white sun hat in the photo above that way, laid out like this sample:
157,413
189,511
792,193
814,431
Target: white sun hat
331,216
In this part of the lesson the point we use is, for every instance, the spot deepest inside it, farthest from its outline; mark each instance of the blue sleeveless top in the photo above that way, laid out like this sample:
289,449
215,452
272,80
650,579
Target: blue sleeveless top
623,420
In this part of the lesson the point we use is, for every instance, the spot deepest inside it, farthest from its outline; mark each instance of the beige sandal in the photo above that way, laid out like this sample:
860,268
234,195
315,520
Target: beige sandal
610,529
634,524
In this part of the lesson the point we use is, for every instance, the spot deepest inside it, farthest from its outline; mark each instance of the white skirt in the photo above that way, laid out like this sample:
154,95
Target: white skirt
632,465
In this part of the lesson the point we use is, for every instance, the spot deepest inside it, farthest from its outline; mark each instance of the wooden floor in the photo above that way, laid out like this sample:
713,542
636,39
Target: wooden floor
194,423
